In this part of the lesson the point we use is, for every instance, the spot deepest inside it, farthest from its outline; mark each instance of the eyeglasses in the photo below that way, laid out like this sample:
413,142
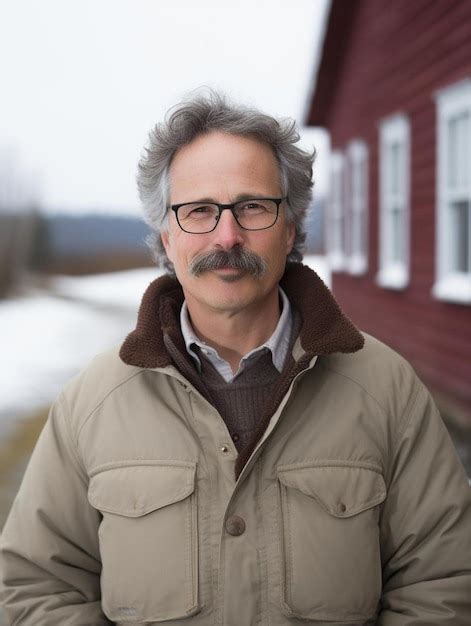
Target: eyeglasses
203,217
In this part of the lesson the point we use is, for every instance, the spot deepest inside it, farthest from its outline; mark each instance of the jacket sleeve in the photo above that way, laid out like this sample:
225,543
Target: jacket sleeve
425,525
50,563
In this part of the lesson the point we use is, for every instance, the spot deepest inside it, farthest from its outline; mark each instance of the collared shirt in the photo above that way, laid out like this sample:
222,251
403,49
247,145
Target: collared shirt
277,344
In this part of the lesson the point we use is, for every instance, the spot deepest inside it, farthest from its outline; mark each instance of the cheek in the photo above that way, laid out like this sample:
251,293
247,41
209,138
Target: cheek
184,253
175,247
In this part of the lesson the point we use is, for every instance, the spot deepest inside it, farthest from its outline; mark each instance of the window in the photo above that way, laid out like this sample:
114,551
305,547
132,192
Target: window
357,156
394,202
336,214
453,219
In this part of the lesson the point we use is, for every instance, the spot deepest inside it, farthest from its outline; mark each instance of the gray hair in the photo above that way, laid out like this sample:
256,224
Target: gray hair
204,113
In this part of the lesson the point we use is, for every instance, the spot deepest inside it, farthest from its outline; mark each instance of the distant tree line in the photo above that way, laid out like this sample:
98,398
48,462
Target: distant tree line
90,243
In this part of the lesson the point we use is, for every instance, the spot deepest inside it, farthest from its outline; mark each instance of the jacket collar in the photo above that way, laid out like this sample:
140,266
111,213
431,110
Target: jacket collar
325,328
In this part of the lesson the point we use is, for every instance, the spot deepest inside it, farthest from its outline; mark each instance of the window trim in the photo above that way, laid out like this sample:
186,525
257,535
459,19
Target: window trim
393,274
450,285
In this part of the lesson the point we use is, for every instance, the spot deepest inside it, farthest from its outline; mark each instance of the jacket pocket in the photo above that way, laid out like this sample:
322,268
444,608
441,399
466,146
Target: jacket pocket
330,555
148,540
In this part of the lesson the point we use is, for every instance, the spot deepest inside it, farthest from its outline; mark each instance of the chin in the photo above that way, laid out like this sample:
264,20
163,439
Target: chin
230,301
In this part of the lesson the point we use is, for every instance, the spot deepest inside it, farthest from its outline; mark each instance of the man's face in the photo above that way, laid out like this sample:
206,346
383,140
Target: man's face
223,168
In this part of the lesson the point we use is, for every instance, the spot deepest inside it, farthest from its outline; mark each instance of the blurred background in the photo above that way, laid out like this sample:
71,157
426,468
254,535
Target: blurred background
381,89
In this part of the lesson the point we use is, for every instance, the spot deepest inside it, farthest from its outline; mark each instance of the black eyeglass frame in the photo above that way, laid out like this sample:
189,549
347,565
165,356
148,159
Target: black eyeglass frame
230,207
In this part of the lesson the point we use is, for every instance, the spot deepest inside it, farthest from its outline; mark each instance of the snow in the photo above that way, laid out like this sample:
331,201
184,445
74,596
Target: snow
119,289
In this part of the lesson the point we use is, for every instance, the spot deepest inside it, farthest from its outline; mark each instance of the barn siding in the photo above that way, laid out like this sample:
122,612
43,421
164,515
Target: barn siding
397,55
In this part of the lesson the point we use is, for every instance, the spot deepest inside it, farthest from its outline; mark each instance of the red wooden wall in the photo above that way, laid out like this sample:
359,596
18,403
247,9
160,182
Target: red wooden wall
395,55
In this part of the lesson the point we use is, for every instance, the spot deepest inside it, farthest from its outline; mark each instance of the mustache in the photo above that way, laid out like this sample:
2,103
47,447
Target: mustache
237,258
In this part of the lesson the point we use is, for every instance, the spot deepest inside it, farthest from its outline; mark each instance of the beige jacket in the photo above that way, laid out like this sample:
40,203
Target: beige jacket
352,507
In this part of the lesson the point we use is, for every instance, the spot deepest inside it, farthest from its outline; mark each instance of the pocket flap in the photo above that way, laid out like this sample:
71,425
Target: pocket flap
137,489
341,490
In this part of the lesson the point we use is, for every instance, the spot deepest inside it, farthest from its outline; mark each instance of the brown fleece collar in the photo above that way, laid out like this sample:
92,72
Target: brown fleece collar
325,328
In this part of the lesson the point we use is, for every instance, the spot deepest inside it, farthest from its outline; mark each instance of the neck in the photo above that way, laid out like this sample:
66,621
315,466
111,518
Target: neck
234,334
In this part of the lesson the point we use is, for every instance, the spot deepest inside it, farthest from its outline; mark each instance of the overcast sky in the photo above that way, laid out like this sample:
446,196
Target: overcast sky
83,82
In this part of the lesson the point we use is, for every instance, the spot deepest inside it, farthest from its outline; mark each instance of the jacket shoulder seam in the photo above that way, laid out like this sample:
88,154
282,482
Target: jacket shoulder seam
406,416
355,382
68,434
100,402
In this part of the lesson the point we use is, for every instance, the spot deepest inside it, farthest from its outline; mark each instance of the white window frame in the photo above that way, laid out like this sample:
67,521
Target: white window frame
336,214
394,131
451,284
357,198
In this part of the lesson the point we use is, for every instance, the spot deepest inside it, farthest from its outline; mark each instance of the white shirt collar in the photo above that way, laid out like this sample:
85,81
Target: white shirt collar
277,344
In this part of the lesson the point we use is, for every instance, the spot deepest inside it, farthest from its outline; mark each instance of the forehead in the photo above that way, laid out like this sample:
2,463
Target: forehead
222,164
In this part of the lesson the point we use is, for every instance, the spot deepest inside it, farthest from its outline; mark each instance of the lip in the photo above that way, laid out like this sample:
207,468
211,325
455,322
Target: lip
229,274
228,270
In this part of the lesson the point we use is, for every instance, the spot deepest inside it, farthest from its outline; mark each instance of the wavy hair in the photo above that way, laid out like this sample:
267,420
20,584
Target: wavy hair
203,113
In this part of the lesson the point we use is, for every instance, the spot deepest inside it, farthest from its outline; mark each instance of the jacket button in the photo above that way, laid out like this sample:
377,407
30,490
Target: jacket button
225,449
235,437
235,525
342,507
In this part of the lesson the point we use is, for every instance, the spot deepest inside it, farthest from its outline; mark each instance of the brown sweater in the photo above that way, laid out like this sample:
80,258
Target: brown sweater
240,403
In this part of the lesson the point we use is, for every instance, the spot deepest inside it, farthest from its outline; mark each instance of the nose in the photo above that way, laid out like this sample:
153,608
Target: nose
228,233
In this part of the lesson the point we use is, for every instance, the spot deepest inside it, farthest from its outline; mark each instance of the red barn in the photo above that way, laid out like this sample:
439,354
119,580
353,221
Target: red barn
393,88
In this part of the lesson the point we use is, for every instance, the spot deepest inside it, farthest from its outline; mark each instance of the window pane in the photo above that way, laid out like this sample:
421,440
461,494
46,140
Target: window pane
337,228
356,181
358,184
357,201
362,186
460,234
397,235
363,234
334,189
355,240
394,168
458,151
346,239
336,197
358,237
452,150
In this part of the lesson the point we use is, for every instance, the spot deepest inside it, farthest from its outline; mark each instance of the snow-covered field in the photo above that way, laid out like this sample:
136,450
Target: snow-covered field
47,337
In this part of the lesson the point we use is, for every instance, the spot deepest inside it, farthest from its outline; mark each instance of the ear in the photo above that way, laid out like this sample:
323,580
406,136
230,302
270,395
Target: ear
290,236
165,237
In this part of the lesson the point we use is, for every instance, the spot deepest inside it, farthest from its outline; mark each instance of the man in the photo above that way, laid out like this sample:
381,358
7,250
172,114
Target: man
248,456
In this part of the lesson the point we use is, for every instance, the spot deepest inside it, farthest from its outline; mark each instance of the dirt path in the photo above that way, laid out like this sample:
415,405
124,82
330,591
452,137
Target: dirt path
15,451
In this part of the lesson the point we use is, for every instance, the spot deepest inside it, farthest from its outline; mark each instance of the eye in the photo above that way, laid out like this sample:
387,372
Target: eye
204,208
252,206
196,211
